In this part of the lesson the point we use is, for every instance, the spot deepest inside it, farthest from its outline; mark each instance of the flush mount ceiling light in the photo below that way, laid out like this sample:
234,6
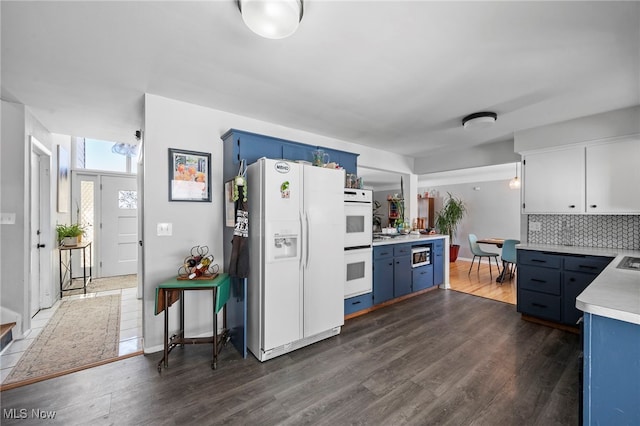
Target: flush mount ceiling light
274,19
515,182
479,120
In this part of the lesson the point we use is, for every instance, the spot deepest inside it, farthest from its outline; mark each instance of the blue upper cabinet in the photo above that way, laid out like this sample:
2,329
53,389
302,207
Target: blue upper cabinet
239,145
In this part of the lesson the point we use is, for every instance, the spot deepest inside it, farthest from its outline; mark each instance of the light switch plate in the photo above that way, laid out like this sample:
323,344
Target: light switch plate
165,229
7,218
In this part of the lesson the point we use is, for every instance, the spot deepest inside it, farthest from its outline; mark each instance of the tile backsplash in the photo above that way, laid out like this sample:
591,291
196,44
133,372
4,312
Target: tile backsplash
607,231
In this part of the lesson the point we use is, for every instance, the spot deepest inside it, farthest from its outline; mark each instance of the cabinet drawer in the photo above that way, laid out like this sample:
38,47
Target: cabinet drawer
588,264
358,303
537,258
422,277
539,305
382,252
401,249
539,279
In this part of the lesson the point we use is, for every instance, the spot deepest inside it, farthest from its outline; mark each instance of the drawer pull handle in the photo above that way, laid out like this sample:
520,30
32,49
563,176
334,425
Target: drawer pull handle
588,267
538,260
355,303
535,280
572,206
539,305
593,206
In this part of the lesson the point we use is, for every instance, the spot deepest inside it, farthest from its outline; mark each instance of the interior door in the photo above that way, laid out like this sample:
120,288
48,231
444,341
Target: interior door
34,304
119,225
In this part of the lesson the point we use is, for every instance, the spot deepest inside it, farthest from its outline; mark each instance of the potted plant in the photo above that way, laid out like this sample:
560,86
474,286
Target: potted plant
69,235
447,221
377,217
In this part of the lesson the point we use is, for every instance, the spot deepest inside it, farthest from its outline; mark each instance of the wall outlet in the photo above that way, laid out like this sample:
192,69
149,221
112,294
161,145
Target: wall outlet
7,218
165,229
535,226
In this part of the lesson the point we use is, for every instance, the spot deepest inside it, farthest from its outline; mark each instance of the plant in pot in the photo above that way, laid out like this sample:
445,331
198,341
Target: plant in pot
447,221
377,217
69,235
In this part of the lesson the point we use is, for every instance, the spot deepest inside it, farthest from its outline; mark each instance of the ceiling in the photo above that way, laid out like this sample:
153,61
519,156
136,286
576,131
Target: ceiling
397,76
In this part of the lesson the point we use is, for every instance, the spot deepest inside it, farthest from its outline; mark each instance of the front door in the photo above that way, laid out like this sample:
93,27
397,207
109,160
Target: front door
119,231
35,235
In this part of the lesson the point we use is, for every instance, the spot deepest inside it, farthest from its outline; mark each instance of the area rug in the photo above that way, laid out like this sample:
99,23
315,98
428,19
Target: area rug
97,285
69,341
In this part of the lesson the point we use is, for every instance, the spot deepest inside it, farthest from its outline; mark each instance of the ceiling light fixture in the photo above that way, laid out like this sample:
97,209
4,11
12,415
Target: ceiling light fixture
274,19
515,182
479,120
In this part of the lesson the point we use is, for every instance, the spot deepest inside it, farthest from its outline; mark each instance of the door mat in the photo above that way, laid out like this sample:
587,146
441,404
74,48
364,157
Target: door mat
82,332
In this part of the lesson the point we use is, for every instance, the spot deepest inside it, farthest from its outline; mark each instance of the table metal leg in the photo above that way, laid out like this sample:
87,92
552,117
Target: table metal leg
166,328
214,365
84,269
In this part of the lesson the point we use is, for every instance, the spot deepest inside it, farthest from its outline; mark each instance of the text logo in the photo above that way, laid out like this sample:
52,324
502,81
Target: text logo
282,167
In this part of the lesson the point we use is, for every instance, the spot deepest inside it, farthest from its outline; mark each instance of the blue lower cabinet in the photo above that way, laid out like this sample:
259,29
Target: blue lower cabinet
422,277
402,276
438,262
358,303
382,280
611,371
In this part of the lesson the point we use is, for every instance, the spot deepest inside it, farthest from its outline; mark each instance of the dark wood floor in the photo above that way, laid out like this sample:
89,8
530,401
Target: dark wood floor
442,357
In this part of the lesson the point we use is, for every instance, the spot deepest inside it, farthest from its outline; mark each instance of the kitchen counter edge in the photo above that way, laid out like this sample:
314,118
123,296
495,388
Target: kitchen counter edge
615,293
408,239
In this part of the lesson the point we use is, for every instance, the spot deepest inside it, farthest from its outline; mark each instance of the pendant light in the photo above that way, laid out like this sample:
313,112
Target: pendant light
274,19
515,182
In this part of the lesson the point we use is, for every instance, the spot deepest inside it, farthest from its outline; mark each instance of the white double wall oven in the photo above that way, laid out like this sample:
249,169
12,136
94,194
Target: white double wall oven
358,242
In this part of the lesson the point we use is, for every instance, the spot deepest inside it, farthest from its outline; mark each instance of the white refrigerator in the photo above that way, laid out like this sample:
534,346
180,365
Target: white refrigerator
295,294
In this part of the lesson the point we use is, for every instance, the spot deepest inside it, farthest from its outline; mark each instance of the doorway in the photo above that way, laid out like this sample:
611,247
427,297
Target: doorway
40,234
107,205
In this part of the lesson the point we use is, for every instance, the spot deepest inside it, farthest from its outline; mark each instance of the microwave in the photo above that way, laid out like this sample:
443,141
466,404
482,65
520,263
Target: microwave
420,256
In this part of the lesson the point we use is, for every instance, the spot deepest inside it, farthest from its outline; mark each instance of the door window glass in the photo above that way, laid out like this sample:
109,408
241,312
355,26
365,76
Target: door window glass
128,200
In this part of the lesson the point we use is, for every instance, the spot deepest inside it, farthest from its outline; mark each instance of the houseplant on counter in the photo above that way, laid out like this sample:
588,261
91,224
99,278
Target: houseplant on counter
69,235
447,221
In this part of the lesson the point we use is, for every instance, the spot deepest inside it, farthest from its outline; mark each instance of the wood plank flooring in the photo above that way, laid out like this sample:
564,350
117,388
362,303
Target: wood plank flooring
481,283
442,357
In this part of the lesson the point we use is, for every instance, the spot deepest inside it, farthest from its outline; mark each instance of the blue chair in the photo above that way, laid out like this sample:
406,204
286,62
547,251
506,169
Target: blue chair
478,252
509,257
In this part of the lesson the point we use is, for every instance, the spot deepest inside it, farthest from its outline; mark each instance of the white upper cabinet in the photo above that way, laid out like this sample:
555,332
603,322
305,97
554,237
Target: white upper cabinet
613,177
554,181
602,178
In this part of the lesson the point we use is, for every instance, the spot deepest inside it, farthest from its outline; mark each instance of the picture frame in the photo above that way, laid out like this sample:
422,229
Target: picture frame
189,175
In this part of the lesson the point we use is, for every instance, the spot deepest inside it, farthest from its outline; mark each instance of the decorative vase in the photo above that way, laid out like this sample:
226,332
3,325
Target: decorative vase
454,249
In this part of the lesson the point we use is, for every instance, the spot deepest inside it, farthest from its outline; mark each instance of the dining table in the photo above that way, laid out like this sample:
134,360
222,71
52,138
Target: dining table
498,242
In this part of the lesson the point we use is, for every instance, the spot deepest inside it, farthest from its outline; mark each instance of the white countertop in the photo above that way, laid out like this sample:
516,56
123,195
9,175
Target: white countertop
409,239
615,293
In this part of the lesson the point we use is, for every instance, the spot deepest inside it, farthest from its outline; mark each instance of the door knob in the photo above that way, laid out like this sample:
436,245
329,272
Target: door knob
39,245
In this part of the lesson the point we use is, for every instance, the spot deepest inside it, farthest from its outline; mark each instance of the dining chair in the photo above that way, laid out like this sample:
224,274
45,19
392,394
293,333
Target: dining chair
509,256
478,252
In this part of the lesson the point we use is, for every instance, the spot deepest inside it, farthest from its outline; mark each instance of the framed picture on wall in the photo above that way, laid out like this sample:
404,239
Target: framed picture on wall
189,175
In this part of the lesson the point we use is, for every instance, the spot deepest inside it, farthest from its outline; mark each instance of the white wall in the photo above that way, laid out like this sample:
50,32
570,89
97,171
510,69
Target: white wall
18,123
492,211
610,124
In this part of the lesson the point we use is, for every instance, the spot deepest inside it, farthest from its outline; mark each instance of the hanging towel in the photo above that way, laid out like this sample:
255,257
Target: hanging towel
239,263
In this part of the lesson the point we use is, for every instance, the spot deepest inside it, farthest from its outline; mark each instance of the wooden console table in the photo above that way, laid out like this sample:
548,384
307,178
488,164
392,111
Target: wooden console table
172,290
66,267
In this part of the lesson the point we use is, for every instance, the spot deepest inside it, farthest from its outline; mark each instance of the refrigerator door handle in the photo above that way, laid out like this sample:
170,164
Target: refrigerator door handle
301,239
307,237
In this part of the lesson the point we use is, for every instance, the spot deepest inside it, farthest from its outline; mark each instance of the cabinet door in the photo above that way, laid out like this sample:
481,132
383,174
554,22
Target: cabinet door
382,280
554,182
251,147
613,177
401,276
296,152
438,262
574,283
422,277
